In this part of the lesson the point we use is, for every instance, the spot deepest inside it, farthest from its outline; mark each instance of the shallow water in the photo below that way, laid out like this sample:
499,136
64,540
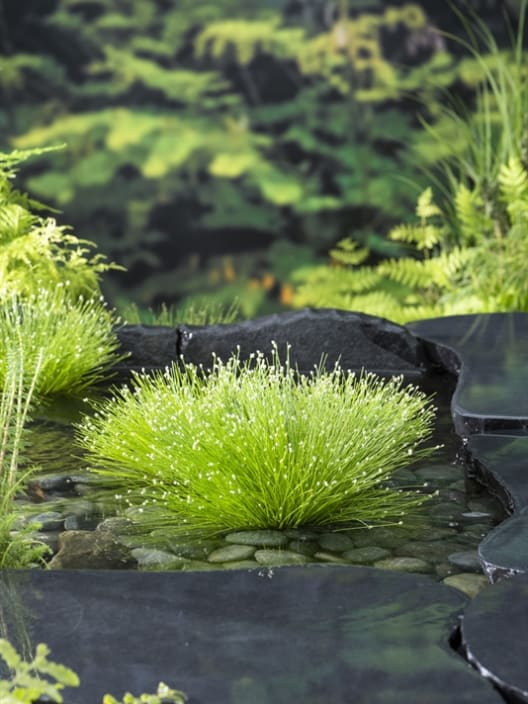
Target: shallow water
443,544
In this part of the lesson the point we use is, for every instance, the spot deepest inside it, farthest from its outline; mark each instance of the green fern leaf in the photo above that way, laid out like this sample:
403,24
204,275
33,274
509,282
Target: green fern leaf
513,182
426,208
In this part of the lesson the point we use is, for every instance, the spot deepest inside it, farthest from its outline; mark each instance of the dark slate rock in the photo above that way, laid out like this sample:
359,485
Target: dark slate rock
491,354
79,549
495,636
356,340
305,634
501,463
149,347
504,551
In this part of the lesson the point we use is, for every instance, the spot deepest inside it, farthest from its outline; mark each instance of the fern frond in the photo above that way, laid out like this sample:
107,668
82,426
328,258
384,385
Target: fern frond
426,208
349,252
415,273
513,182
15,221
422,236
474,223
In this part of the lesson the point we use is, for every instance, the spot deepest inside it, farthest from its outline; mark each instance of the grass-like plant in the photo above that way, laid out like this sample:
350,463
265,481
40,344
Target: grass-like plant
73,339
255,445
194,313
17,548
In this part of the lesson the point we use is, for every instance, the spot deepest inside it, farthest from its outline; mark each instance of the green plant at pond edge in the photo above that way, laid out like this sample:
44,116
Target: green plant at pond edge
35,252
31,680
18,548
467,254
256,445
73,339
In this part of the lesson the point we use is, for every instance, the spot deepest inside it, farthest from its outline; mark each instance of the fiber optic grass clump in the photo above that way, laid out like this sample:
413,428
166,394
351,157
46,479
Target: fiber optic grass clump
73,339
257,445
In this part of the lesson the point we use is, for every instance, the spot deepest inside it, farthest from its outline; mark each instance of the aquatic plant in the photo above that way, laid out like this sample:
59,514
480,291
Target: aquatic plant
35,252
18,548
255,445
72,342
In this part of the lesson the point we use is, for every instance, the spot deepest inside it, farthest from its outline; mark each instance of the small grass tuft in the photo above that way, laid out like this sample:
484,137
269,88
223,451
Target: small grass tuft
74,340
255,445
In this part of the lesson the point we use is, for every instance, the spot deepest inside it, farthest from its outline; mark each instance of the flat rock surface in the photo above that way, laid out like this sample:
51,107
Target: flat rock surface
504,551
495,635
492,351
356,340
502,461
306,634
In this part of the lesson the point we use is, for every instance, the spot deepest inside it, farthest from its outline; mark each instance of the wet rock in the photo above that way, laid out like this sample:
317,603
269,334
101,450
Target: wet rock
50,520
355,339
50,538
494,636
435,551
198,550
504,551
277,558
241,565
466,561
388,538
335,542
302,533
148,347
58,483
405,564
91,550
258,538
151,559
231,552
329,557
115,525
308,548
467,582
365,556
444,569
81,522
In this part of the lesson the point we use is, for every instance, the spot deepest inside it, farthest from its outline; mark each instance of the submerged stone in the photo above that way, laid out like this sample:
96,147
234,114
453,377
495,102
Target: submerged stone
467,582
231,552
405,564
80,549
258,538
335,542
365,556
466,561
277,558
50,520
329,557
149,558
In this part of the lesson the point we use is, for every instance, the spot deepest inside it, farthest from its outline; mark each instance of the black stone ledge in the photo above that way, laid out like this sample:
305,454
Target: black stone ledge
354,340
489,352
504,551
494,637
338,634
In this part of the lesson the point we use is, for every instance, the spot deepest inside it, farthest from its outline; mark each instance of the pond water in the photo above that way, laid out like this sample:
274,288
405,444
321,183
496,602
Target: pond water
442,545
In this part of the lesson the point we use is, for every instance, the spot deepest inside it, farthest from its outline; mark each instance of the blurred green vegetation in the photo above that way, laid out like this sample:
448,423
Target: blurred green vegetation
216,147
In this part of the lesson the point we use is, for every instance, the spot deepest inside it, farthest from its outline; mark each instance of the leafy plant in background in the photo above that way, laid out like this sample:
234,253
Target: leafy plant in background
35,252
204,313
468,256
256,446
33,680
222,126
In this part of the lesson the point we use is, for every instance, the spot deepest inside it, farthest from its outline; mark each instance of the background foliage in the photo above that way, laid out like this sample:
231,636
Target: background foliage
215,147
